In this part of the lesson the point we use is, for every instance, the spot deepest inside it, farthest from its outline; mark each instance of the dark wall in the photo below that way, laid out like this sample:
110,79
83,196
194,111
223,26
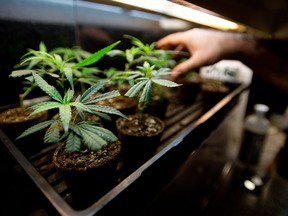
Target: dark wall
24,23
15,39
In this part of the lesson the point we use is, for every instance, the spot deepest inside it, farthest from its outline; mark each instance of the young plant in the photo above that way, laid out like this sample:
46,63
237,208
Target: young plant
66,127
58,66
141,52
71,125
147,79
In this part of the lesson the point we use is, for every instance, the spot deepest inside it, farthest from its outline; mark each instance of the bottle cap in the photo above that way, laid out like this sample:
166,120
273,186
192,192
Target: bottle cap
261,108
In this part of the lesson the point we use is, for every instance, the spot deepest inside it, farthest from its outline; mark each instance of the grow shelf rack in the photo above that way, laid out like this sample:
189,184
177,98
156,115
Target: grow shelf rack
184,122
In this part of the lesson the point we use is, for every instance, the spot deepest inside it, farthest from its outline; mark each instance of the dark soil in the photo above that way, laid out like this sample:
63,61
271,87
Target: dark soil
15,120
17,115
214,86
140,125
122,103
85,159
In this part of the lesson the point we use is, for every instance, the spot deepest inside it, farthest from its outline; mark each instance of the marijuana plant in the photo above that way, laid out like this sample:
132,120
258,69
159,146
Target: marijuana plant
67,127
141,52
147,79
58,65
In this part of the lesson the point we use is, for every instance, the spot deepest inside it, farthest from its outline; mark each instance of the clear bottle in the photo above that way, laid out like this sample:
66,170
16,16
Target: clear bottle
255,130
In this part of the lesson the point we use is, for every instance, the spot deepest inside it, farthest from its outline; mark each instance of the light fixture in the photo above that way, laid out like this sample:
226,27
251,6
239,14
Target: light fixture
172,9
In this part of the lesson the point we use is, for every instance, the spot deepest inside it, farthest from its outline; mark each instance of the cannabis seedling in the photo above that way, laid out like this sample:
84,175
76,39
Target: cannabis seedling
141,52
75,132
67,127
59,66
147,78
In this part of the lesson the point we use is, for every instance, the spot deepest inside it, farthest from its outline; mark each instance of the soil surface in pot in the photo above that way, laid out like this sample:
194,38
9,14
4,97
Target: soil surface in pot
16,114
88,175
140,135
158,106
140,125
124,104
212,92
189,90
84,159
16,120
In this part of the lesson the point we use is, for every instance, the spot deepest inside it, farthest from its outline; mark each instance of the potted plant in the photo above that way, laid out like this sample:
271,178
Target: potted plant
135,56
212,91
55,66
141,132
41,62
87,154
117,80
190,88
17,118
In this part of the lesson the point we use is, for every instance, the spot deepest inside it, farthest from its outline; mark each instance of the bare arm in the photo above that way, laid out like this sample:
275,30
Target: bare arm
210,46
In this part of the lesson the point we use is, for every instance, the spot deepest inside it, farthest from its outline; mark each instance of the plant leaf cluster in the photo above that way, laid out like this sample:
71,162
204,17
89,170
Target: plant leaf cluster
74,131
145,80
141,52
146,69
67,127
61,65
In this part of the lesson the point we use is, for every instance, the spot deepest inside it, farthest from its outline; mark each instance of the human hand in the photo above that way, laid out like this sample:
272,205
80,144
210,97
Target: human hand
205,46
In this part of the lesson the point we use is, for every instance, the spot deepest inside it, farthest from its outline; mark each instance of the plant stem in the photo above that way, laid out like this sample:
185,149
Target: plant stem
24,95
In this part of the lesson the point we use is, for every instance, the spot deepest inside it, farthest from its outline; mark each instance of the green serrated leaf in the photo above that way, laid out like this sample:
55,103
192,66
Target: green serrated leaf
135,41
104,96
105,109
146,95
19,73
102,132
65,116
81,108
68,96
42,47
166,83
73,142
135,90
75,127
36,128
91,91
37,58
52,134
92,140
129,56
96,56
164,72
69,75
43,106
50,90
103,116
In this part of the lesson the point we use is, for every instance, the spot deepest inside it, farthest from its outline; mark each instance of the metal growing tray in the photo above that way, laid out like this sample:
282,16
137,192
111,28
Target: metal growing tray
184,122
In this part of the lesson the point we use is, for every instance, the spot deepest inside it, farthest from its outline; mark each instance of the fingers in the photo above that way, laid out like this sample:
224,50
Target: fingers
193,62
169,42
183,68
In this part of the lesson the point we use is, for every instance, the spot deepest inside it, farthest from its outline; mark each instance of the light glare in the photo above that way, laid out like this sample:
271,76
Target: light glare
182,12
249,185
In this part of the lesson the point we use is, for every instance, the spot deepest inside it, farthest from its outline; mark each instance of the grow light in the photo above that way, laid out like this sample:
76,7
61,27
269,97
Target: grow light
182,12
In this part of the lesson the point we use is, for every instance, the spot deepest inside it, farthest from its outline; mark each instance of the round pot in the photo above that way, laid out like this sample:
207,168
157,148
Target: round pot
88,176
158,107
16,120
124,104
140,135
212,91
189,90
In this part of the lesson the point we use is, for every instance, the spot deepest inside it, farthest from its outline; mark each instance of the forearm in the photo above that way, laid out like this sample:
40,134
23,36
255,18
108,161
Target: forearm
267,58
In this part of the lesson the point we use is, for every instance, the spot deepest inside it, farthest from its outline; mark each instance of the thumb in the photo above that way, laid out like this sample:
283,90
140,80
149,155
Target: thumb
184,67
